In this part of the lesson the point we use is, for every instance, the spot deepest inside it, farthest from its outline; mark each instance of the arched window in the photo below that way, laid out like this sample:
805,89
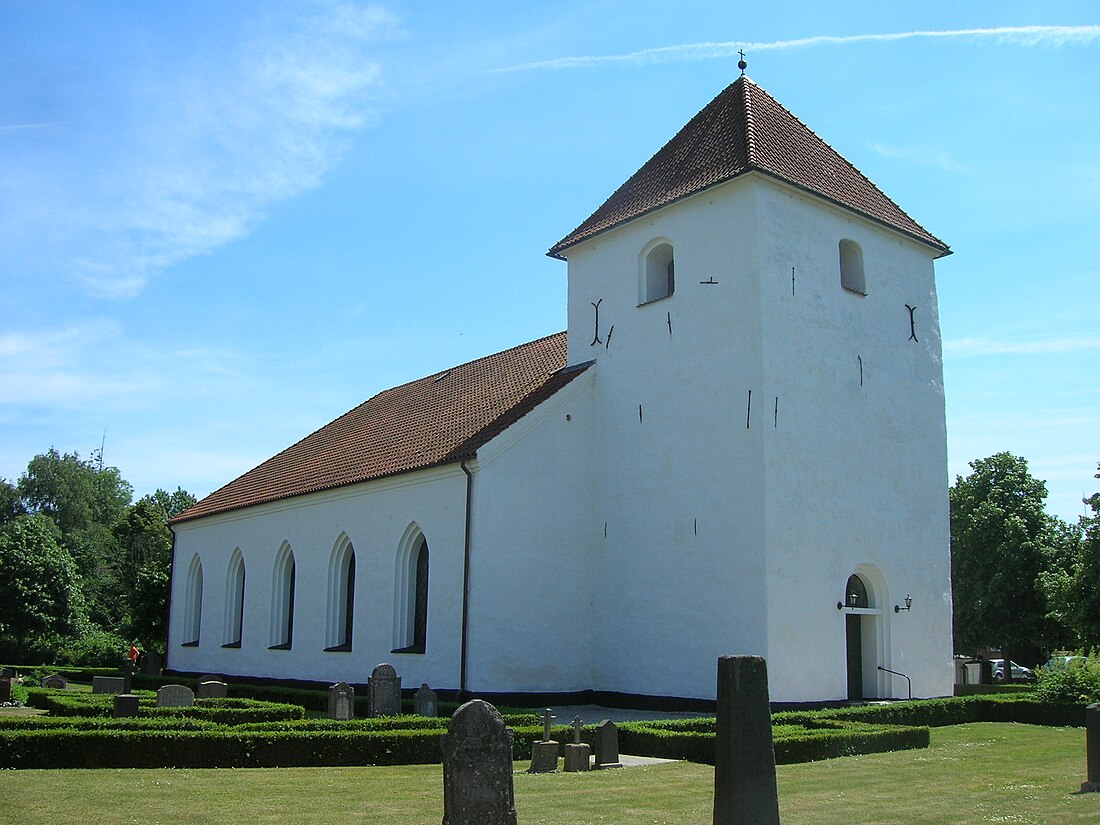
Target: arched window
234,600
341,596
192,609
282,600
411,596
851,267
657,278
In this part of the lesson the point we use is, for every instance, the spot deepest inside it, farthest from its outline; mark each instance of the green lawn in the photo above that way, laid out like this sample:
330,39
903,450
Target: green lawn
979,773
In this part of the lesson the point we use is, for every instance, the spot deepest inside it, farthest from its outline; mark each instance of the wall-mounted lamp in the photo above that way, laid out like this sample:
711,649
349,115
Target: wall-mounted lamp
908,604
853,602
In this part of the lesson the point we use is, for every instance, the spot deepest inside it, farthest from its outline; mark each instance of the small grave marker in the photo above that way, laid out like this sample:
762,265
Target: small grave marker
384,691
151,663
175,696
544,754
425,702
341,702
744,758
212,689
607,745
126,704
577,753
477,768
108,684
55,681
1092,746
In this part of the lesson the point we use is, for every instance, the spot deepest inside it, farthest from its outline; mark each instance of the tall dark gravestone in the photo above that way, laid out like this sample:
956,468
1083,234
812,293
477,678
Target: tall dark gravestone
745,792
1092,745
477,768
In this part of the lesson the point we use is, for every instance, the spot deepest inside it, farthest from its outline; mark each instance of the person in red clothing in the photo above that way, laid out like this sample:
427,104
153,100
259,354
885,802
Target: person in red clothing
133,654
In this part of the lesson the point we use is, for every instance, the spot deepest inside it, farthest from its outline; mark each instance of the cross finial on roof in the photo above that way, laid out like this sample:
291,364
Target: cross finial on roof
741,64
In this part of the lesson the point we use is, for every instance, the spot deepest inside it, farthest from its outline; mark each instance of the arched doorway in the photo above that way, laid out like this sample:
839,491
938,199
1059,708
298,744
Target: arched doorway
855,598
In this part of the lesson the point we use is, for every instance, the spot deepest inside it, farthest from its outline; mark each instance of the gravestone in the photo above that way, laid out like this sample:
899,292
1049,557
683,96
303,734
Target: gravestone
384,691
425,702
212,689
127,669
607,745
1092,747
744,758
5,690
577,753
211,677
55,681
175,696
341,702
151,663
108,684
544,753
126,704
7,673
477,768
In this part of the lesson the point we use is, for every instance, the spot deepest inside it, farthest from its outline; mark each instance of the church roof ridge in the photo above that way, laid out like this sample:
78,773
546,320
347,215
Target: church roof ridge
438,419
744,129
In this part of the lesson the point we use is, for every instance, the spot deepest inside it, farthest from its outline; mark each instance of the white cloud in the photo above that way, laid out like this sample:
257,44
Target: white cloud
1027,36
939,160
1021,345
188,158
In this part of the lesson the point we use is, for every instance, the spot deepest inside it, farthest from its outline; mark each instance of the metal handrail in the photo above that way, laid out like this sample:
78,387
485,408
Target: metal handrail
906,678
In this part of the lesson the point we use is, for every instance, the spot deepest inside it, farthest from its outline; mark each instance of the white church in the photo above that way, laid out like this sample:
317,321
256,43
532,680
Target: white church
737,447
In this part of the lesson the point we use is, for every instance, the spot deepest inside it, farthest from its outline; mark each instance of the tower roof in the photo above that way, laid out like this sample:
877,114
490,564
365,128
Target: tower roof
436,420
744,129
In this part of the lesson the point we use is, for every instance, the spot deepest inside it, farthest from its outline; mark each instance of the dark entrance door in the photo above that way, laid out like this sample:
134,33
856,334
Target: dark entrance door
854,634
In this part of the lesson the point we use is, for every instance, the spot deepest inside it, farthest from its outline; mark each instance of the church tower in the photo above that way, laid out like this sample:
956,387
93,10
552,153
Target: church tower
770,435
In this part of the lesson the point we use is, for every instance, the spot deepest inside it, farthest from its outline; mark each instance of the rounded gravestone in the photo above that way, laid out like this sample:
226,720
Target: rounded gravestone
477,768
384,671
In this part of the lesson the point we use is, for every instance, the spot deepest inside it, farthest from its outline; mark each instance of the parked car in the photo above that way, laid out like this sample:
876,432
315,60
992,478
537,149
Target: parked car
1019,672
1062,662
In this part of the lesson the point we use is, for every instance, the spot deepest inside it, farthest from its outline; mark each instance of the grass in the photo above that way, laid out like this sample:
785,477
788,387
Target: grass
978,773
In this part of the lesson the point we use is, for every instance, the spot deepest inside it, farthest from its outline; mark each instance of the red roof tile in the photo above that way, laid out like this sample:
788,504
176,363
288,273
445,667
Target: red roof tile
436,420
744,129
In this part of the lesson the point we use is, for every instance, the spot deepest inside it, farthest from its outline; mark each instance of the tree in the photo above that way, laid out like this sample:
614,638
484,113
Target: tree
1085,589
145,545
39,586
1001,541
11,503
85,499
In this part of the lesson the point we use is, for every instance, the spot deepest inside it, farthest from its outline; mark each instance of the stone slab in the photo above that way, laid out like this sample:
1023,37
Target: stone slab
577,757
212,690
126,704
108,684
544,757
175,696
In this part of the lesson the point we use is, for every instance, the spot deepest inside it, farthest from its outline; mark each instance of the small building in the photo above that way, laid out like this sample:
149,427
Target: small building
737,447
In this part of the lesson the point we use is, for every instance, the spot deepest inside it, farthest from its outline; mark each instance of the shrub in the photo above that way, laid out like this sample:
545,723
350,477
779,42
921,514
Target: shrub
97,648
1077,681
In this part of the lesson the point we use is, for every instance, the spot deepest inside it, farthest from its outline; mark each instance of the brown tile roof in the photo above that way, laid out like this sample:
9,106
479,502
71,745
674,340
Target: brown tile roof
744,129
436,420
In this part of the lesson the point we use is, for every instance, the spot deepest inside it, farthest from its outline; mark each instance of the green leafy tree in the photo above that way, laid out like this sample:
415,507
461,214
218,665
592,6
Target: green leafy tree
145,545
11,503
39,585
1001,541
85,499
1085,588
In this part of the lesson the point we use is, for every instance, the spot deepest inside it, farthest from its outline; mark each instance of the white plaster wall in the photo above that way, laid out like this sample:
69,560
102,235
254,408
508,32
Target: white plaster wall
532,610
374,516
681,571
855,476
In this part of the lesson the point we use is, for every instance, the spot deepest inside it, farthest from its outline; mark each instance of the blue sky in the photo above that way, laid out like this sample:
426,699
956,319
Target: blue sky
224,224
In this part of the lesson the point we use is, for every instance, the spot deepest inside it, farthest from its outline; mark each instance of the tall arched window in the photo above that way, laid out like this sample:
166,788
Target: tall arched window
411,593
657,278
282,599
192,606
234,600
341,596
851,267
